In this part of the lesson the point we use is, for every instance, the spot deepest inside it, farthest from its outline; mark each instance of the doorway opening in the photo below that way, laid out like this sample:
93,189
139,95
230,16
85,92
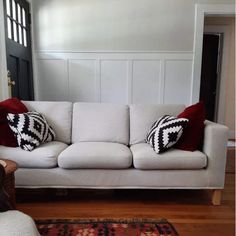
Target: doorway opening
210,75
218,69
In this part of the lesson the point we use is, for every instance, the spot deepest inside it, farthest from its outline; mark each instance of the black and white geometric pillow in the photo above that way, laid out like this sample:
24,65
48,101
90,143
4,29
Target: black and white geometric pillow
31,129
166,132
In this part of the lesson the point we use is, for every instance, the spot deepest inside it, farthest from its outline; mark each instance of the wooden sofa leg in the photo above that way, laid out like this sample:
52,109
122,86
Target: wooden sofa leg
216,197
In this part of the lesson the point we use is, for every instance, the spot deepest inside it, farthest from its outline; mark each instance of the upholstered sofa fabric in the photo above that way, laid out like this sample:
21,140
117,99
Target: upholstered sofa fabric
95,155
57,114
144,157
100,158
44,156
143,116
93,122
215,147
113,178
16,223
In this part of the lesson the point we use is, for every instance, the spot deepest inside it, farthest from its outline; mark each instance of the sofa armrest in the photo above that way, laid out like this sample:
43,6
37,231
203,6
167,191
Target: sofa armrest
215,147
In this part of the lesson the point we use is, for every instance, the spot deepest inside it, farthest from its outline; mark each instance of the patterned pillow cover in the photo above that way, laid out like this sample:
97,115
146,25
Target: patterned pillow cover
31,129
165,132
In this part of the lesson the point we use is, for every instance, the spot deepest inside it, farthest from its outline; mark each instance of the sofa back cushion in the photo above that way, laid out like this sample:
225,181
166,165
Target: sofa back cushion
143,116
100,122
57,114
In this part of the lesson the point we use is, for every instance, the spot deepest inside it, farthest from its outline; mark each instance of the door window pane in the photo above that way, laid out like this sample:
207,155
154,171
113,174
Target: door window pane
20,34
8,7
16,22
15,31
19,13
14,9
23,17
25,38
9,33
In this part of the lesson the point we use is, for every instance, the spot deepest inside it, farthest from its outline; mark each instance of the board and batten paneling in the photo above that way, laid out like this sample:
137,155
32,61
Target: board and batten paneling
114,81
146,81
82,80
177,83
52,83
114,77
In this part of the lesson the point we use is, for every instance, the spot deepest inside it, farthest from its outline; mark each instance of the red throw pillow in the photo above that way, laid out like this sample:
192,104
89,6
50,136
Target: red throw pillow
11,105
193,134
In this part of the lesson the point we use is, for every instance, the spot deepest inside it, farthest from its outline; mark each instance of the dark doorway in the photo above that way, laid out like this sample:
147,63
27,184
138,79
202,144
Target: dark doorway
210,74
18,48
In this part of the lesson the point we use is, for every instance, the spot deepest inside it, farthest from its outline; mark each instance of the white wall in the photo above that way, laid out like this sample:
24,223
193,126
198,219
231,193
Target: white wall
115,50
114,25
139,25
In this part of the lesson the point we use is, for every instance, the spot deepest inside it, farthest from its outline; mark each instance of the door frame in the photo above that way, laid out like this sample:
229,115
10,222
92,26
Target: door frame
202,10
223,76
4,91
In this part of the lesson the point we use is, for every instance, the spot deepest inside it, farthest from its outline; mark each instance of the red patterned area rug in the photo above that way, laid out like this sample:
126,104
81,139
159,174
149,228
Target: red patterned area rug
135,227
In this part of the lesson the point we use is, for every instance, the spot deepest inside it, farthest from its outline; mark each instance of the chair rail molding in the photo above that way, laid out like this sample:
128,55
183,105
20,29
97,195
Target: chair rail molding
202,10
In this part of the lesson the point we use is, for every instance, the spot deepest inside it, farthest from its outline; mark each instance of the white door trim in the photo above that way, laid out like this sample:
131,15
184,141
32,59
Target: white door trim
202,10
34,65
4,92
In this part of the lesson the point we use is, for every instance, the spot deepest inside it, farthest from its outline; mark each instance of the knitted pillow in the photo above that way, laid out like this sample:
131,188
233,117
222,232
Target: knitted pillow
31,129
166,132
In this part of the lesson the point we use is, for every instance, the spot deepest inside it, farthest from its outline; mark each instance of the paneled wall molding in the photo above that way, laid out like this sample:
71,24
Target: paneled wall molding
117,77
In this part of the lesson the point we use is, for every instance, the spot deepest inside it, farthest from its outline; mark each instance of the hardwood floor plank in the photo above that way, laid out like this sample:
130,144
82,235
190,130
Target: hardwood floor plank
230,162
190,211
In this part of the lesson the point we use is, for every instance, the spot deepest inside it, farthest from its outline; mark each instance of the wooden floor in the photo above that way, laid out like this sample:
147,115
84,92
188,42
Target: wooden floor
190,211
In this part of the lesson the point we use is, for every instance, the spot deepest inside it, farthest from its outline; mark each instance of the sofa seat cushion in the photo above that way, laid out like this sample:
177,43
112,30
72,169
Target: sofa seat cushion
44,156
95,155
144,157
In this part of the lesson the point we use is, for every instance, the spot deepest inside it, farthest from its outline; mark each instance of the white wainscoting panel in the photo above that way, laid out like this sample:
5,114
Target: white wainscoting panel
114,81
115,77
146,81
52,80
177,82
82,80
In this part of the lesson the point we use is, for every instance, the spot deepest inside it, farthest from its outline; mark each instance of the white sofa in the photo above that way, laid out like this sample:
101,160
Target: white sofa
16,223
103,146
